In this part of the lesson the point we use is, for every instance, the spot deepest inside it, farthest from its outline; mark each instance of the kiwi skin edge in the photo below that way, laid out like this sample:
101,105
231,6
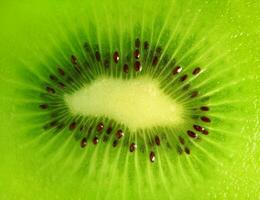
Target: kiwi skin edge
38,164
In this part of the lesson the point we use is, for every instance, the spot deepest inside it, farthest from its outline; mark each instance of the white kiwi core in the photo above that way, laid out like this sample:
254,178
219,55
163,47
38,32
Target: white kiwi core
136,103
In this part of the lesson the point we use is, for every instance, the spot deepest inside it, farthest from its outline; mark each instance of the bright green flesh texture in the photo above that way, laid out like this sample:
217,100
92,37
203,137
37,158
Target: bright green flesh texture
225,165
138,103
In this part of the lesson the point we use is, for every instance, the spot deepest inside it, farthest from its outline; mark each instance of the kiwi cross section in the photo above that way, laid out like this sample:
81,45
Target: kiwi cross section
144,60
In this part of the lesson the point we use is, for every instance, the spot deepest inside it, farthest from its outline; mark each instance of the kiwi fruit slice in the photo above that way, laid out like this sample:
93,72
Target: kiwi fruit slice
130,100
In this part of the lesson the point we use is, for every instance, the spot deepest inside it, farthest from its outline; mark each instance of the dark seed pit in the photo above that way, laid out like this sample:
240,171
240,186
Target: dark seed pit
116,57
157,140
97,55
205,132
138,66
194,94
50,90
196,71
100,127
137,54
179,149
205,119
204,108
146,45
115,143
44,106
187,150
184,77
191,134
61,71
83,142
53,78
155,60
126,68
176,70
74,60
137,43
198,128
181,140
72,126
132,147
95,140
109,130
119,134
152,156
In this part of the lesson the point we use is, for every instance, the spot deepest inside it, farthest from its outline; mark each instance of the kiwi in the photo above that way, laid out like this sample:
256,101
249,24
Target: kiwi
130,100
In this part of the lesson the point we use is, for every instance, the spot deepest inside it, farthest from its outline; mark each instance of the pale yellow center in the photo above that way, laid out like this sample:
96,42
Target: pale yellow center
137,103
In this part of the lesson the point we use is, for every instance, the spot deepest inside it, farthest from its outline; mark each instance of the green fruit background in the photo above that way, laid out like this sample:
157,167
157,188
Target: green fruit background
29,168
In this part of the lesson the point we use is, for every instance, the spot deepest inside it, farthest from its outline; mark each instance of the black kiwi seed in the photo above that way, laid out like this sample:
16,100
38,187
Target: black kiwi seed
74,60
204,108
44,106
181,140
115,143
137,43
61,85
191,134
61,71
157,140
146,45
100,127
187,150
116,57
152,156
205,132
194,94
50,90
83,142
132,147
205,119
155,60
109,130
95,140
198,128
176,70
97,55
119,134
81,128
184,77
137,54
196,71
126,68
138,66
72,126
53,78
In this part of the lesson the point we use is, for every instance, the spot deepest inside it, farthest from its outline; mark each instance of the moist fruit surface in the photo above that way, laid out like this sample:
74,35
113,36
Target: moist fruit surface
129,100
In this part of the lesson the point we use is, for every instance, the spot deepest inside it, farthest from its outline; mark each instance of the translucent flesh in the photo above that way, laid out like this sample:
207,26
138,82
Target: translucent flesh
43,166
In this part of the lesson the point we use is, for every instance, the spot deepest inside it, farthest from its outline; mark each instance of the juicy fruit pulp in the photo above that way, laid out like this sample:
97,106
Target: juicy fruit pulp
53,166
154,100
136,103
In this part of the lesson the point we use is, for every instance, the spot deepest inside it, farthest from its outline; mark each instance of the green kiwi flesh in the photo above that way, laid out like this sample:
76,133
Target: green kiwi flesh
59,149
